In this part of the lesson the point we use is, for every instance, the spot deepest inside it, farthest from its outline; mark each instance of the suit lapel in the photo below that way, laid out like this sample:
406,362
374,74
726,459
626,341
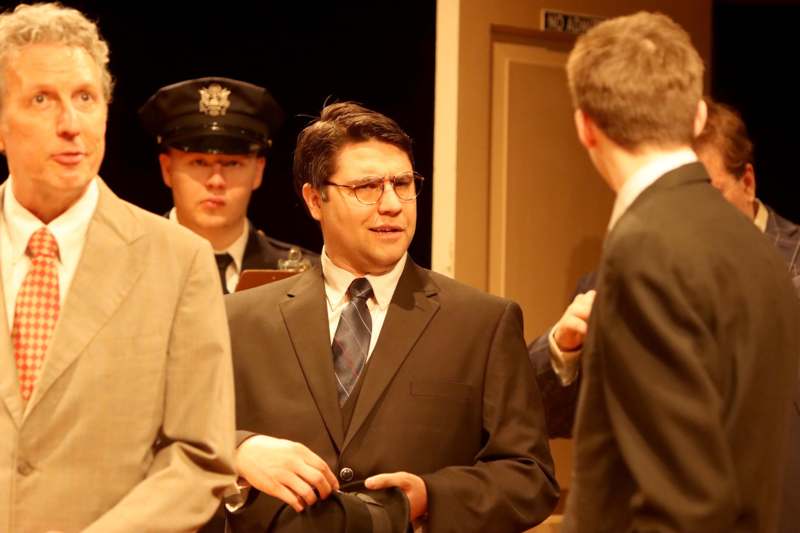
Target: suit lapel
105,273
305,315
9,385
407,317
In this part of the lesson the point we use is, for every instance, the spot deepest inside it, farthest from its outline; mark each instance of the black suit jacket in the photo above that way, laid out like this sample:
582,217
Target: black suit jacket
785,235
448,394
262,251
559,401
688,370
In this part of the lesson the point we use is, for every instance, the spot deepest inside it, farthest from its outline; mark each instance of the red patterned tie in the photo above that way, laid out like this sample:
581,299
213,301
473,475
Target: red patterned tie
36,310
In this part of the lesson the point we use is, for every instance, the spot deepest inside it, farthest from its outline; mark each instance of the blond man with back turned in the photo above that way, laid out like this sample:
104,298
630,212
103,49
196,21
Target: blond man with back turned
691,354
116,409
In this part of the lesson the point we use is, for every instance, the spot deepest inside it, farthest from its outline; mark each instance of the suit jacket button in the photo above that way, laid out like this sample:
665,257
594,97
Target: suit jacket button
24,468
346,474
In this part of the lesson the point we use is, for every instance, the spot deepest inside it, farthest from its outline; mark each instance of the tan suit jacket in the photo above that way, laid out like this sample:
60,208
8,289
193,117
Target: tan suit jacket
130,425
448,394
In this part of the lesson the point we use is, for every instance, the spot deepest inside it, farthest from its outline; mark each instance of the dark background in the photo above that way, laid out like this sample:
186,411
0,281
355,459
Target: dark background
383,55
305,53
755,58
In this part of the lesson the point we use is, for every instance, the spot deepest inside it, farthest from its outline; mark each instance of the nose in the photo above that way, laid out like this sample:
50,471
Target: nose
216,180
68,122
389,202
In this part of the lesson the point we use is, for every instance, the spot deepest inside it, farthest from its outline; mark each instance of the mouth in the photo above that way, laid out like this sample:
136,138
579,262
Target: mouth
70,158
387,229
213,202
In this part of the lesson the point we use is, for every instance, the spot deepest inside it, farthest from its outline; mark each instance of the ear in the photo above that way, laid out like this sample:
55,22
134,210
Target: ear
748,181
261,163
587,130
700,117
313,200
165,161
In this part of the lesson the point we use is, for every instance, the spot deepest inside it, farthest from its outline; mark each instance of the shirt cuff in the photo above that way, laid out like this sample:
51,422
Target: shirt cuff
565,363
236,501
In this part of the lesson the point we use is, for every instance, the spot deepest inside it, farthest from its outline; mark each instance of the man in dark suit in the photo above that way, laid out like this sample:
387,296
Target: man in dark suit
372,368
726,151
213,134
691,353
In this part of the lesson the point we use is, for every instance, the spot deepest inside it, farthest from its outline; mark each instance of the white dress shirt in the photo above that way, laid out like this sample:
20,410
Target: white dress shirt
337,280
236,251
17,224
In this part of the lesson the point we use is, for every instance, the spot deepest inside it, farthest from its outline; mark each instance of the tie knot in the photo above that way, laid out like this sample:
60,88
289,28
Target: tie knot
43,244
223,260
360,289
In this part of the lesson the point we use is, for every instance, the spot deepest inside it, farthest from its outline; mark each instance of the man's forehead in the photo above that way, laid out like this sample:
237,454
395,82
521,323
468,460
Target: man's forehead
38,63
381,156
184,155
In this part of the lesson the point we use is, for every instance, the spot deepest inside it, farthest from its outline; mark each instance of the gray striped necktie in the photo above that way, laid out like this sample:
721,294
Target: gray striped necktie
351,341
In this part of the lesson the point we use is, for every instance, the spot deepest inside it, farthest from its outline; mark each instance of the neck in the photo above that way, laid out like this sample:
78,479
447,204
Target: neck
357,272
618,165
44,204
220,237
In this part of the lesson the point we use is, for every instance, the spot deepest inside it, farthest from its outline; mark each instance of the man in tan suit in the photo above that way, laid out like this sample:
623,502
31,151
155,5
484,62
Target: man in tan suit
116,406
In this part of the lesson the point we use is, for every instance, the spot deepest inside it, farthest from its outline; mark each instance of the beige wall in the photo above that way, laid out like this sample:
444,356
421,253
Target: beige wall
503,207
463,112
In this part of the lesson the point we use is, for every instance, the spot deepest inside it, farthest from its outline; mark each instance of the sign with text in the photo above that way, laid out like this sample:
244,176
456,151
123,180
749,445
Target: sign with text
563,22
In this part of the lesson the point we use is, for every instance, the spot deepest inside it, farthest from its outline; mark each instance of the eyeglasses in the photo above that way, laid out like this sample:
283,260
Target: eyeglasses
369,190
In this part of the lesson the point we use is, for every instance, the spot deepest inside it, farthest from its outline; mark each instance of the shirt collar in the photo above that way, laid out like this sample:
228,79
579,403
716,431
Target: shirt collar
645,176
237,247
337,280
762,215
69,228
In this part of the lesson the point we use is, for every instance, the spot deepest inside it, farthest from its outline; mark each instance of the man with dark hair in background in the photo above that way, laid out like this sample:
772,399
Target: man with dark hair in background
691,351
372,368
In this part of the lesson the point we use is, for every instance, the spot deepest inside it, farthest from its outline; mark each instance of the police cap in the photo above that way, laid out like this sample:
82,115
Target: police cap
212,115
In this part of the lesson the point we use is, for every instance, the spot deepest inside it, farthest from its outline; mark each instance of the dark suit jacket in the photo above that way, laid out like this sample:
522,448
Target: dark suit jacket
264,252
559,401
448,394
688,370
786,237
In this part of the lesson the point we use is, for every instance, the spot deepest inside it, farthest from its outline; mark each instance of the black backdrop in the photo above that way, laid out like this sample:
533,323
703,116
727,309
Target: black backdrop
755,58
383,55
305,53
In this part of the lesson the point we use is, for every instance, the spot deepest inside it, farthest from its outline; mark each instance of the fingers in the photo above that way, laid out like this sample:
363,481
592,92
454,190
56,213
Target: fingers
328,482
286,470
581,306
571,329
383,481
413,486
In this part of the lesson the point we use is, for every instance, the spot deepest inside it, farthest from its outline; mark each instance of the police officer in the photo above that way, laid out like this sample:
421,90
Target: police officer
213,134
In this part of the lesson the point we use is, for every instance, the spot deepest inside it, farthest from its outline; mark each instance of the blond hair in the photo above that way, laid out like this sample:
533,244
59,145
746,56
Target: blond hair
52,23
639,79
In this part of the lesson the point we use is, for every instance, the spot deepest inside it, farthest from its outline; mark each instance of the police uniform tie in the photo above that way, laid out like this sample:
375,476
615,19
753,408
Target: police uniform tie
351,341
36,310
223,261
